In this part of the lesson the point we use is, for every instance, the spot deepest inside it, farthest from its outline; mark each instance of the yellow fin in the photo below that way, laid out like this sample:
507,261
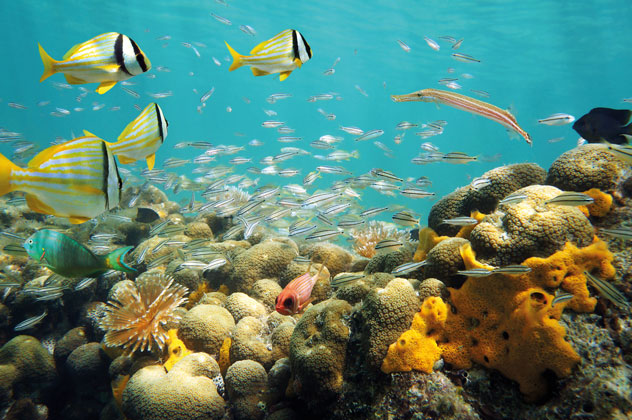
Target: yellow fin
36,205
77,220
74,80
71,51
6,167
104,87
89,134
284,75
259,47
298,62
258,72
125,160
151,160
237,58
45,155
49,64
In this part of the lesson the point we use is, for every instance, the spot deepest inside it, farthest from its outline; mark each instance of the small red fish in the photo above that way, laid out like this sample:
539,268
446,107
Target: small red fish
297,294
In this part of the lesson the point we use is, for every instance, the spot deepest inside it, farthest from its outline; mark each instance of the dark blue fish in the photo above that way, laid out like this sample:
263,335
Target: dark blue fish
605,124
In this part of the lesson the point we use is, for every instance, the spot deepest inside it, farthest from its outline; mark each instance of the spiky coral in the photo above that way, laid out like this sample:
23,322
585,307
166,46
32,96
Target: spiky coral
136,316
364,239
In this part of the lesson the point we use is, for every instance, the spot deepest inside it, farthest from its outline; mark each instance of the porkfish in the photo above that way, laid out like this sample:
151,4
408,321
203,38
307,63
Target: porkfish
77,179
283,53
67,257
142,137
105,59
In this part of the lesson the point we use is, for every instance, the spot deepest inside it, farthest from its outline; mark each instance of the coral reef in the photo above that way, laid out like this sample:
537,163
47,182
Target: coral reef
529,228
335,257
513,328
246,385
317,352
262,261
247,343
503,181
187,391
366,237
585,167
241,305
205,327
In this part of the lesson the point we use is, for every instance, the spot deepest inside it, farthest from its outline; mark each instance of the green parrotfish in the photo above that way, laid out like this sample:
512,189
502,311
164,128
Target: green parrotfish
69,258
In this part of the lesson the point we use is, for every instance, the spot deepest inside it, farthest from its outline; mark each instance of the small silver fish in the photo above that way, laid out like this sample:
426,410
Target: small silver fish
476,272
561,297
30,322
620,233
557,119
512,269
344,279
404,46
407,268
607,290
514,198
571,198
460,221
323,235
84,283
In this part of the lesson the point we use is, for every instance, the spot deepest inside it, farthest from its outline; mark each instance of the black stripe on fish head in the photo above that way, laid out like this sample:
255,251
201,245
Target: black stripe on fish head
112,183
295,43
141,59
305,51
106,173
162,123
118,54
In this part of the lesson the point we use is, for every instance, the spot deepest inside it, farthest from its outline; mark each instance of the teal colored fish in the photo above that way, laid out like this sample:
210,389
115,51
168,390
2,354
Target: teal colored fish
69,258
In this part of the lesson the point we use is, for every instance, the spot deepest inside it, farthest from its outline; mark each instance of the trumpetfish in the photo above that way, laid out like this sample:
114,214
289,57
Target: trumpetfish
468,104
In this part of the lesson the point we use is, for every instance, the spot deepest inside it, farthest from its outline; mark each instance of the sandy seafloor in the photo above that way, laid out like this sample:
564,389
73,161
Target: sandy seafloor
424,344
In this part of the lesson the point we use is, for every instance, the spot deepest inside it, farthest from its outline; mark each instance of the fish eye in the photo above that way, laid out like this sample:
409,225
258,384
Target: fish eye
288,302
30,242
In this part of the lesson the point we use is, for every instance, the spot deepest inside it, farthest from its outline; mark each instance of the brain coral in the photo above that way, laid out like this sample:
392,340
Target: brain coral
585,167
529,228
247,383
262,261
462,202
387,313
317,351
205,327
188,391
335,258
248,343
240,305
25,367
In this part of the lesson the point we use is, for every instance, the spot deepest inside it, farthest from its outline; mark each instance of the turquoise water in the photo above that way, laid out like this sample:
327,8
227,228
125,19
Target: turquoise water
537,57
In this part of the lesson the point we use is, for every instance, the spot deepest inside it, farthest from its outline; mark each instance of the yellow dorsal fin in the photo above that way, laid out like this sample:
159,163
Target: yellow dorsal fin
89,134
151,160
71,51
284,75
259,47
104,87
45,155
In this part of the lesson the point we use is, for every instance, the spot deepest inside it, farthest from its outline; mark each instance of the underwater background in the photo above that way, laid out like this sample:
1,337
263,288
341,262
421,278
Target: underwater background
503,293
536,57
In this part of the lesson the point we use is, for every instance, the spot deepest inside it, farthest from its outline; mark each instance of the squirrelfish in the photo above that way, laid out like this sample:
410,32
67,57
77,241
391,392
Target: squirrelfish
465,103
142,137
69,258
297,294
282,53
105,59
77,179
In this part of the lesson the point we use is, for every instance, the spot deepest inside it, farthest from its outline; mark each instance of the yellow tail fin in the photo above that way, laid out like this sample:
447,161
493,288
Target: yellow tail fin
237,58
6,167
49,64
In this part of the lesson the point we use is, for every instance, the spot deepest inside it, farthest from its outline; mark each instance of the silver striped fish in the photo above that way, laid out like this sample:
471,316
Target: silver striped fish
105,59
282,54
142,137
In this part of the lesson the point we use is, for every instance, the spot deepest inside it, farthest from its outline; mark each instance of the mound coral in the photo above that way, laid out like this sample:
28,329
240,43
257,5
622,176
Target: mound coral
513,328
585,167
137,313
462,202
365,238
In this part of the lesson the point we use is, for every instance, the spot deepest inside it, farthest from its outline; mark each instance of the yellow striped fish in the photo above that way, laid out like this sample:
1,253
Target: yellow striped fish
78,179
142,137
104,59
465,103
281,54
